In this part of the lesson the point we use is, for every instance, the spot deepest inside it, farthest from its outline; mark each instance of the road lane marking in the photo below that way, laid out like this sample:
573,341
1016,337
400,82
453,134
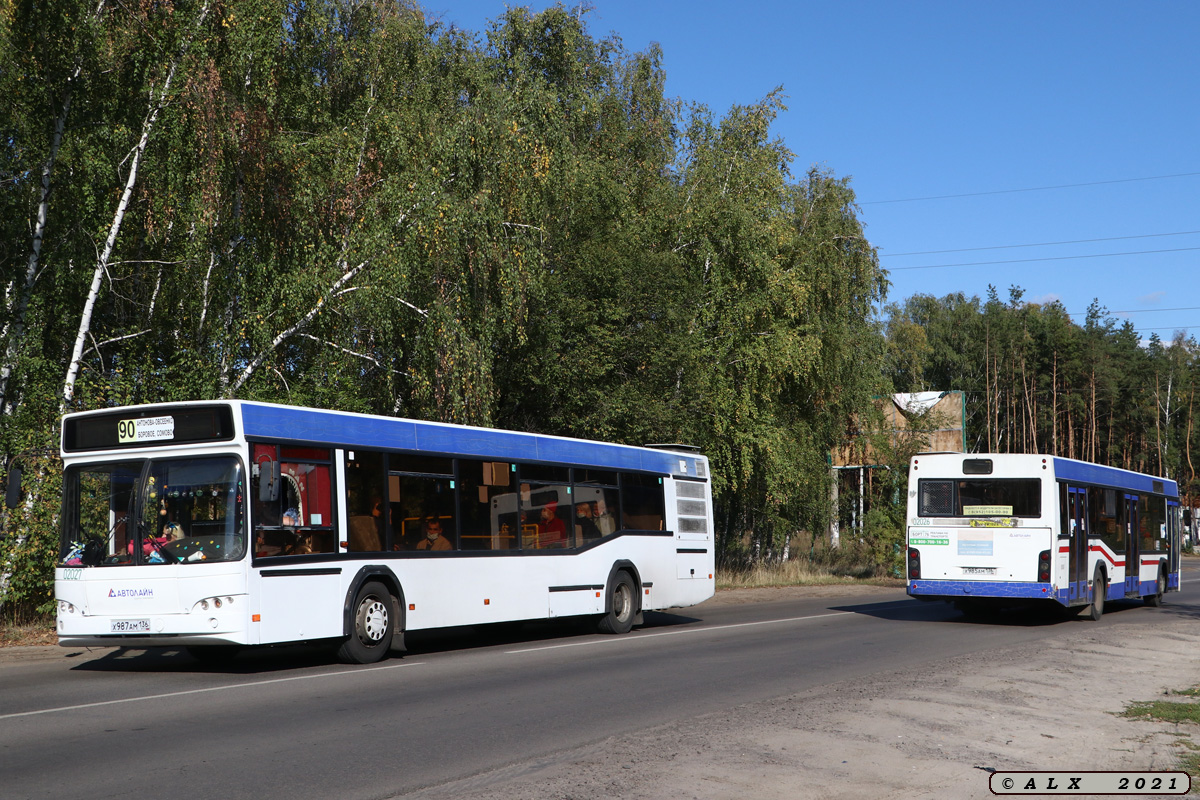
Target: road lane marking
674,633
209,689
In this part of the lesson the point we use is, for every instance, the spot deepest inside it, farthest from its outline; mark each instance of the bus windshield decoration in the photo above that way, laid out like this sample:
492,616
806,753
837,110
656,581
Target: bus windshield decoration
225,524
1016,529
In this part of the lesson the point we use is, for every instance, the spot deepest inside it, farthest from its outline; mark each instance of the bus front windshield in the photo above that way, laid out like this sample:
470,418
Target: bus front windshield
161,511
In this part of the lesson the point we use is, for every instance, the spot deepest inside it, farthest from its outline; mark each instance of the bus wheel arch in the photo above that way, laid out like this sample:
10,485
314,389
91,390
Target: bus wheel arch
622,599
373,620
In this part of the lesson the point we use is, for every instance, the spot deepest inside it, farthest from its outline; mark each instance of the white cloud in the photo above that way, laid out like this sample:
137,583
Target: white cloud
1152,299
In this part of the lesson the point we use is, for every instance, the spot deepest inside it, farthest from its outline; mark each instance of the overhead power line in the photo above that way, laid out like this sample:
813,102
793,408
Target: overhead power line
1047,258
1139,310
1029,189
1038,244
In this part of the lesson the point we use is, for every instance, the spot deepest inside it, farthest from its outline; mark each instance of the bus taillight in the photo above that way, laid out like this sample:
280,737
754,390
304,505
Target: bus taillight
914,562
1044,566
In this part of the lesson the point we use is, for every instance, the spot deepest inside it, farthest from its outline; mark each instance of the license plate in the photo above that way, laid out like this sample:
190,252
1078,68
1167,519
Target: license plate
979,570
130,626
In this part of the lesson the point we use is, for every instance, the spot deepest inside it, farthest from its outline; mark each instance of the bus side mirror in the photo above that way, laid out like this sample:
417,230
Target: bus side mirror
268,481
12,496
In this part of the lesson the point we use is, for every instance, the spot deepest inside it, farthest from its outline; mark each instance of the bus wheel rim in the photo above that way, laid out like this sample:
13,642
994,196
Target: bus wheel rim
374,621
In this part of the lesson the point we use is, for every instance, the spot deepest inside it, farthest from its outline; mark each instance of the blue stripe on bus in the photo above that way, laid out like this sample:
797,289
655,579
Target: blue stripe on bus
980,589
325,427
1027,590
1066,469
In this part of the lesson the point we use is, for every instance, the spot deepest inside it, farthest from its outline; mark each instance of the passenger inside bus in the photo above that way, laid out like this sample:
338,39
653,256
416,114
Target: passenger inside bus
605,522
585,523
432,538
552,532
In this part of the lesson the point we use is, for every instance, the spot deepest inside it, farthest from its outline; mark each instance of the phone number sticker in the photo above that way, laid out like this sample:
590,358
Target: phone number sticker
1090,783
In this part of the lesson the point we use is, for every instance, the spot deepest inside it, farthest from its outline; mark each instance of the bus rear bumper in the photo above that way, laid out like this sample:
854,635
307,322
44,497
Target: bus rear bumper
953,590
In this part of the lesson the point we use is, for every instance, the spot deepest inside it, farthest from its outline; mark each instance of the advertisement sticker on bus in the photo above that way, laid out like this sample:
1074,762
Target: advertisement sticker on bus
975,543
993,523
931,538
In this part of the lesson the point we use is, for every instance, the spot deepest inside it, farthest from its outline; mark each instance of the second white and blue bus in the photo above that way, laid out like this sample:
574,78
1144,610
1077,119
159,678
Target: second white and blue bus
993,529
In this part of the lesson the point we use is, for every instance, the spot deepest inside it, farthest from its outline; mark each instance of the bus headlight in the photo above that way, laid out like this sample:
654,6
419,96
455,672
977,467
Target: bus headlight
213,602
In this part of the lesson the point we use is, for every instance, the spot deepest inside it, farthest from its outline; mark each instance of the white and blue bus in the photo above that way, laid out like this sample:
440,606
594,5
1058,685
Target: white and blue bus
991,529
218,525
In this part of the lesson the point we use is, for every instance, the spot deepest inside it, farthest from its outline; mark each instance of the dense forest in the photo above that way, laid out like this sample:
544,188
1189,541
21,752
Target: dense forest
1038,382
347,204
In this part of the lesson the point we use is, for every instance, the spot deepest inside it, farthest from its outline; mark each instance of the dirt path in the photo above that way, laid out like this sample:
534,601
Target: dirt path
931,735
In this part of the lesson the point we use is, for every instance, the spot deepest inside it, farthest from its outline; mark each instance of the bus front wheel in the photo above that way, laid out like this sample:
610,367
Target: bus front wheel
372,625
622,606
1099,591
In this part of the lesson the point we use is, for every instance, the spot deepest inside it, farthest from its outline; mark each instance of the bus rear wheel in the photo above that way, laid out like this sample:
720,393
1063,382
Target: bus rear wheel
622,610
1160,589
372,632
1099,592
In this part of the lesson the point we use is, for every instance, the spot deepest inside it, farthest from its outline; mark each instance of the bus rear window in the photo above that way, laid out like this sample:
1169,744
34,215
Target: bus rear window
989,497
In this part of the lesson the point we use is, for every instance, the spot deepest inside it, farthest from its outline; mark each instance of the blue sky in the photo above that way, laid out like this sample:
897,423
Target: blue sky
993,101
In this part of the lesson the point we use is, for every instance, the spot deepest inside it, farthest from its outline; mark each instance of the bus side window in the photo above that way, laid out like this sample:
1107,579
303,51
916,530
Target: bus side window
305,489
1152,518
365,481
488,505
642,505
416,500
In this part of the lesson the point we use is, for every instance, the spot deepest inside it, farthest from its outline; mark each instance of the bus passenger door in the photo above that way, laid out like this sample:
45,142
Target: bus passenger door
1133,557
1077,519
1173,538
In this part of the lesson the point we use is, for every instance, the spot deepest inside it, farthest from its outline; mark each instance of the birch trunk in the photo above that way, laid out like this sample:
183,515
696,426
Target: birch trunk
257,361
85,322
35,251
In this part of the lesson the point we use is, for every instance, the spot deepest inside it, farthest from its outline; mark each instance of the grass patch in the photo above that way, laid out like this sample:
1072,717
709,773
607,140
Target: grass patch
1179,712
797,572
28,633
1165,710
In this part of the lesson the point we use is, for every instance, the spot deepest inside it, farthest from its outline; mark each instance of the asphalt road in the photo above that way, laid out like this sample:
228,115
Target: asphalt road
292,723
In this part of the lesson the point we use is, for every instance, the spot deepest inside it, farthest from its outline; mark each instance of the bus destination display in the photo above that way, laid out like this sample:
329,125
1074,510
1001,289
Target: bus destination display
152,427
146,430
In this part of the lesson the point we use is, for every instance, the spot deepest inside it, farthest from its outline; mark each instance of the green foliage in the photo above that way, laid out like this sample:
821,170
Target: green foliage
1038,382
353,206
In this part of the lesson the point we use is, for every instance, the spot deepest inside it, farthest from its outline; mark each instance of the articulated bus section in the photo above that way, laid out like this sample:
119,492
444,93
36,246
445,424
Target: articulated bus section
993,529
